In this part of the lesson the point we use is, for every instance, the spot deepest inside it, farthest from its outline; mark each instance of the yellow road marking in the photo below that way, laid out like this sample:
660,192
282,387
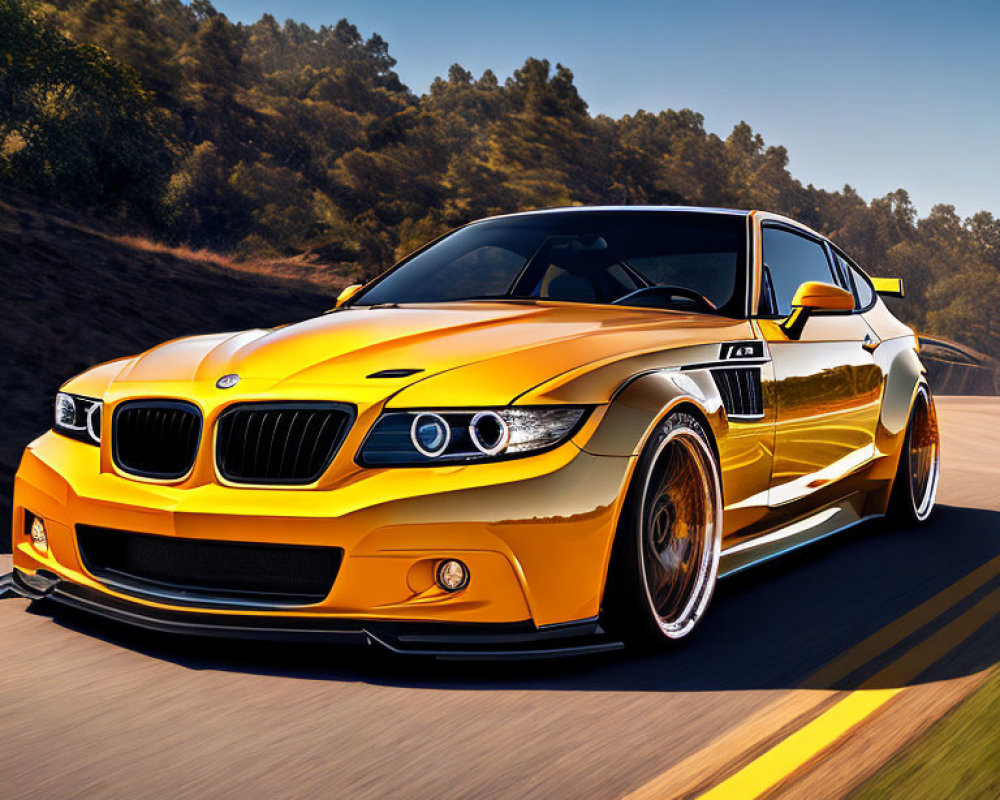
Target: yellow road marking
702,767
892,634
928,652
695,770
782,760
805,744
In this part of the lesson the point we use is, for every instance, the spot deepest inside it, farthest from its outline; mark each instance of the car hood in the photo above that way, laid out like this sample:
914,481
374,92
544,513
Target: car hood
492,352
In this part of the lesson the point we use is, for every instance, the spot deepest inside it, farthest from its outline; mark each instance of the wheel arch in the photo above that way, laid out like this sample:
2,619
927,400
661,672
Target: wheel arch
644,402
905,374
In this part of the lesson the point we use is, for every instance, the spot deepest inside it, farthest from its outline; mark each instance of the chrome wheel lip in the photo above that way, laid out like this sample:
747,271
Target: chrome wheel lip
922,509
708,569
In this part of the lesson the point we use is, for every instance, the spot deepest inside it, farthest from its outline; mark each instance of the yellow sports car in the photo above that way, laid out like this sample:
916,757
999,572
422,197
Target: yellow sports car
543,433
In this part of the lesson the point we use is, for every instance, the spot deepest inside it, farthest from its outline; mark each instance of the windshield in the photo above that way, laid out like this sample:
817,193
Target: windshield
680,259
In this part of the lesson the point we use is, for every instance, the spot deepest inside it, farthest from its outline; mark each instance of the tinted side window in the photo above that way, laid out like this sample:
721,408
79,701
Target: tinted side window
790,260
863,291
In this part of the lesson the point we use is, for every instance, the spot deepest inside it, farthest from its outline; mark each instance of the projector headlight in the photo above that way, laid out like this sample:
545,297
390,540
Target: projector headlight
441,436
78,417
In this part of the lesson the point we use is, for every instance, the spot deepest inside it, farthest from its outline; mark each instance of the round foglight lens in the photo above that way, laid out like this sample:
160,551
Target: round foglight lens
489,432
452,575
65,411
430,434
38,536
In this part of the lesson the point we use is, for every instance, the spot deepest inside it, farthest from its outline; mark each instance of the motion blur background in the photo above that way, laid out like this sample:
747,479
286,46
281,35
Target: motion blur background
168,168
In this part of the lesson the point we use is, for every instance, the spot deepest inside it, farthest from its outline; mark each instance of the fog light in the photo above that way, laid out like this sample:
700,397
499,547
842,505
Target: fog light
37,534
452,575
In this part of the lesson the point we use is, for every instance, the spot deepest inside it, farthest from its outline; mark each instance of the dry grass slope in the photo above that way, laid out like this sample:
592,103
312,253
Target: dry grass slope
74,295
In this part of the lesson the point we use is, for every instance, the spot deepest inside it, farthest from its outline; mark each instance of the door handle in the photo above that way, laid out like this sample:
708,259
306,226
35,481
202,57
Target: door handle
869,344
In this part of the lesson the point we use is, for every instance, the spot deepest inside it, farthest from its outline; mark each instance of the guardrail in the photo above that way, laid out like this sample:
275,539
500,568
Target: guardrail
953,369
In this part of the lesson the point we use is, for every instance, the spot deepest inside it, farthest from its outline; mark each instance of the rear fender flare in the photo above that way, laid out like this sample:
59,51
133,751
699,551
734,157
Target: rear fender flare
904,374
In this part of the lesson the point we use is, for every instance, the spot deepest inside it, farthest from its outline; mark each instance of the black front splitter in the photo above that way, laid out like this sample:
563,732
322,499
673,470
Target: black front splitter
458,641
7,586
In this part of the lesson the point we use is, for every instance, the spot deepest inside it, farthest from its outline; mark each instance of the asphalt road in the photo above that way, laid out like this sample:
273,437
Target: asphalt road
93,710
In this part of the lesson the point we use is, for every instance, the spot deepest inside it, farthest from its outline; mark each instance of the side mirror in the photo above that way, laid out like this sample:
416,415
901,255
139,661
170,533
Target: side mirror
813,296
346,294
888,287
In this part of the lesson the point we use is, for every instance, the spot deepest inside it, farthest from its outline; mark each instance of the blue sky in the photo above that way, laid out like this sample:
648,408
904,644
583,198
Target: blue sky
880,95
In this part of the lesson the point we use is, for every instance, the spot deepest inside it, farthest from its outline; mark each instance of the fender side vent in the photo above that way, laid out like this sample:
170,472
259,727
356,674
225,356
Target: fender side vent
741,391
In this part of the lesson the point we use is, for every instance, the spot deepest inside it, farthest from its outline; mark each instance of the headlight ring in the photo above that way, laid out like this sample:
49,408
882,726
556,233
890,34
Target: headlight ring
489,432
430,434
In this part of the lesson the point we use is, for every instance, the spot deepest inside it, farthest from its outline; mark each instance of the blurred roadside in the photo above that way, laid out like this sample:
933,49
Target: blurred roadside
956,369
957,758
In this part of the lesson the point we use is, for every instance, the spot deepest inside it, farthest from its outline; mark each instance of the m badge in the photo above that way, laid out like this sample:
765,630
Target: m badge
228,381
741,350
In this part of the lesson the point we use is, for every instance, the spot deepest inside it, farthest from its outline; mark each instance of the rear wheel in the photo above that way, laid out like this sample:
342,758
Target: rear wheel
914,490
666,553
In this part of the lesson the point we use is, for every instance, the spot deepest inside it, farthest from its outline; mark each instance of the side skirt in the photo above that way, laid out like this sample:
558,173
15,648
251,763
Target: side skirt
828,521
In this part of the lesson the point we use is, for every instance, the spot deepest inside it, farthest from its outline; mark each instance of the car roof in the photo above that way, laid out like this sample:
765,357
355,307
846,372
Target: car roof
584,209
730,212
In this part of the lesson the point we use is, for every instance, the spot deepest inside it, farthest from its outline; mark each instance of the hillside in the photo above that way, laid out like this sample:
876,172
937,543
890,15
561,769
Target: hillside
75,295
278,138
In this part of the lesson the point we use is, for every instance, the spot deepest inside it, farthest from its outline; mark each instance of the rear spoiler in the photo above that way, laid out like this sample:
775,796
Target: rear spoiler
888,287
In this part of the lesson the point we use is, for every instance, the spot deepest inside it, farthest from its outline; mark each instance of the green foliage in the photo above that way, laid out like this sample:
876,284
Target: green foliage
74,122
956,758
278,138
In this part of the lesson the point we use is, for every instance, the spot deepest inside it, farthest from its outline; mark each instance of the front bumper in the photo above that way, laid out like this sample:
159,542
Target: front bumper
444,641
536,534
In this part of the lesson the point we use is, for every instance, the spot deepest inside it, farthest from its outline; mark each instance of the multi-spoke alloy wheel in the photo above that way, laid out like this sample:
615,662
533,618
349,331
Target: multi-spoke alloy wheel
667,553
915,488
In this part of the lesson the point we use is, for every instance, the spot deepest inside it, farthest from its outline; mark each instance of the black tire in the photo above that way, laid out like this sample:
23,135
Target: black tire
665,558
914,488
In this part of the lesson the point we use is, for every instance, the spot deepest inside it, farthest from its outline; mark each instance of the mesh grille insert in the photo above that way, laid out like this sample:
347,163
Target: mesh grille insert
201,568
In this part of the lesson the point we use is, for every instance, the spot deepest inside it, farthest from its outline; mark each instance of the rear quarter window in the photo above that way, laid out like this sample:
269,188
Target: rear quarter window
864,293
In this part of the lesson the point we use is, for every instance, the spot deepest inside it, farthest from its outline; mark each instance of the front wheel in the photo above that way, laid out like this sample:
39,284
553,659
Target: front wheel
914,489
666,554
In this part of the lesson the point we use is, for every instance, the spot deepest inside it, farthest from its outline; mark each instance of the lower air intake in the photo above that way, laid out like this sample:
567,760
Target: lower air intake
193,569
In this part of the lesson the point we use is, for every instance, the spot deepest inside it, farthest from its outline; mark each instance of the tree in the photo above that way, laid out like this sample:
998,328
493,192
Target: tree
279,137
75,122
